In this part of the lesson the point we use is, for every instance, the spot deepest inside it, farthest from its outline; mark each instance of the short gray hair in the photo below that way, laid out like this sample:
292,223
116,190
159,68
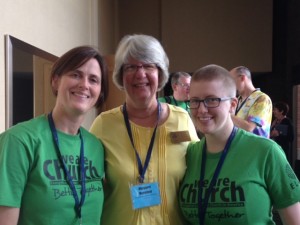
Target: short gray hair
175,76
243,70
143,48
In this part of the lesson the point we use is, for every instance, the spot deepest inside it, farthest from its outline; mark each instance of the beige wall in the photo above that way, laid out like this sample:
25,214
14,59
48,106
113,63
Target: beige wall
193,33
196,33
228,33
52,25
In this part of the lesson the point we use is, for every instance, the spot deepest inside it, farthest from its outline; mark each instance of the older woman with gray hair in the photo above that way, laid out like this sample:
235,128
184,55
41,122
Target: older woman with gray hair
145,141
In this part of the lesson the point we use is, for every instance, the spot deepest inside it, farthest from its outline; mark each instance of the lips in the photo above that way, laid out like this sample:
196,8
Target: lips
204,118
81,95
141,85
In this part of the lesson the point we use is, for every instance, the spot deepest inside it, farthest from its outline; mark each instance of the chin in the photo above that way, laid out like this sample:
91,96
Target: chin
82,109
205,129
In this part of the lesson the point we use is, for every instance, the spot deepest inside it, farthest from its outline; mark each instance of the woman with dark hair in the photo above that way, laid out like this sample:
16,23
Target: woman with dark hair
51,168
282,130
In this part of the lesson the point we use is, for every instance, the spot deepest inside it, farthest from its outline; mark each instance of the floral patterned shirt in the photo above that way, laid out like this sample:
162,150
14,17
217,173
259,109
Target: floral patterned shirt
257,108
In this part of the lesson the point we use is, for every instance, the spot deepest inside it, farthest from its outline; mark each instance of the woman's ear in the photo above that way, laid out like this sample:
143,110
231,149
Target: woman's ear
233,105
55,84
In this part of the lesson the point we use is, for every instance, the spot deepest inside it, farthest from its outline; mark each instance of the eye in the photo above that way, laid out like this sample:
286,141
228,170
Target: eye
75,75
149,66
130,67
210,100
194,102
94,80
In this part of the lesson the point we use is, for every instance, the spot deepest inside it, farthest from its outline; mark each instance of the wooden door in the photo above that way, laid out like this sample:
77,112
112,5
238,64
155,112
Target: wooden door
44,99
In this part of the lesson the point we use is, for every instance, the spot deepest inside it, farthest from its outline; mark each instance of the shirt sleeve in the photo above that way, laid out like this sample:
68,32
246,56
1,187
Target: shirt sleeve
261,114
283,184
14,167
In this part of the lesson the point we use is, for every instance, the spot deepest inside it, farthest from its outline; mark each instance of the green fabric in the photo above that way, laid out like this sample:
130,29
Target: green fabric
181,104
32,180
254,176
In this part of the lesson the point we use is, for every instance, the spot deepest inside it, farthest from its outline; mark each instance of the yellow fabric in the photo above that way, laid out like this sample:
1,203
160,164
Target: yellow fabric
167,167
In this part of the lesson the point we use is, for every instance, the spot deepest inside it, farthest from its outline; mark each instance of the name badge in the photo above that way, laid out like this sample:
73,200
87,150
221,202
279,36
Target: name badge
180,136
145,195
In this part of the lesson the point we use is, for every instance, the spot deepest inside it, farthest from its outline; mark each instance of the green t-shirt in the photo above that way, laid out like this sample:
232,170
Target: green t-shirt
255,175
33,180
172,101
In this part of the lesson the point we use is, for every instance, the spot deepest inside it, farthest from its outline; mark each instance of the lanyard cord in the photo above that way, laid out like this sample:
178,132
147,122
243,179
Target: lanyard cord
142,170
243,102
176,103
78,204
203,203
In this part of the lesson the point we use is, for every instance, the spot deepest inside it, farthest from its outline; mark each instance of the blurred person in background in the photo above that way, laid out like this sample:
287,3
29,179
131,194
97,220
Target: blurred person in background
254,109
180,82
282,129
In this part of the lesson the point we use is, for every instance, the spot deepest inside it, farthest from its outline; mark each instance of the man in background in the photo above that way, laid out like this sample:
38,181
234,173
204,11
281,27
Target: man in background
254,109
180,82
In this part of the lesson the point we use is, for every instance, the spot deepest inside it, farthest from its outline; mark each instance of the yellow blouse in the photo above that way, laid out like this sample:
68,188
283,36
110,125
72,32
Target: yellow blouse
167,167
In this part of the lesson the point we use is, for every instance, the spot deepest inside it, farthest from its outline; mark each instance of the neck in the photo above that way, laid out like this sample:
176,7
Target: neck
68,124
247,92
178,97
144,116
216,142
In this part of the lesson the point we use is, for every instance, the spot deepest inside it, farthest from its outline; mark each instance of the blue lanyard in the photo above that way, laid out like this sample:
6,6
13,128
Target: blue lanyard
142,170
78,204
202,204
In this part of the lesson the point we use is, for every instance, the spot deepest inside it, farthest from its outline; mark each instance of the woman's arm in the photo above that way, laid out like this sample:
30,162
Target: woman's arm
9,215
290,215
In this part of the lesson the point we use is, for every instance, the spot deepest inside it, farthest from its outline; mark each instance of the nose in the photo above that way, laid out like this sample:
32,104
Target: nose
202,108
140,70
84,82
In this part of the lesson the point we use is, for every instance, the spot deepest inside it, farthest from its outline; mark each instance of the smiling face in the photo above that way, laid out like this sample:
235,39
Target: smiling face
78,90
212,121
140,86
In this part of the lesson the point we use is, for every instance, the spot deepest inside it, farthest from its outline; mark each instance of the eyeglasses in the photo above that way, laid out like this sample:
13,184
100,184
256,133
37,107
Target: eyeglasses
131,68
184,85
208,102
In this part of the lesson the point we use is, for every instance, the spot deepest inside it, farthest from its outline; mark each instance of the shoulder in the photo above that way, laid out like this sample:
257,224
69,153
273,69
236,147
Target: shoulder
261,96
167,99
162,99
30,133
178,110
254,143
109,114
194,149
177,113
88,135
195,145
286,120
90,139
33,126
106,121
